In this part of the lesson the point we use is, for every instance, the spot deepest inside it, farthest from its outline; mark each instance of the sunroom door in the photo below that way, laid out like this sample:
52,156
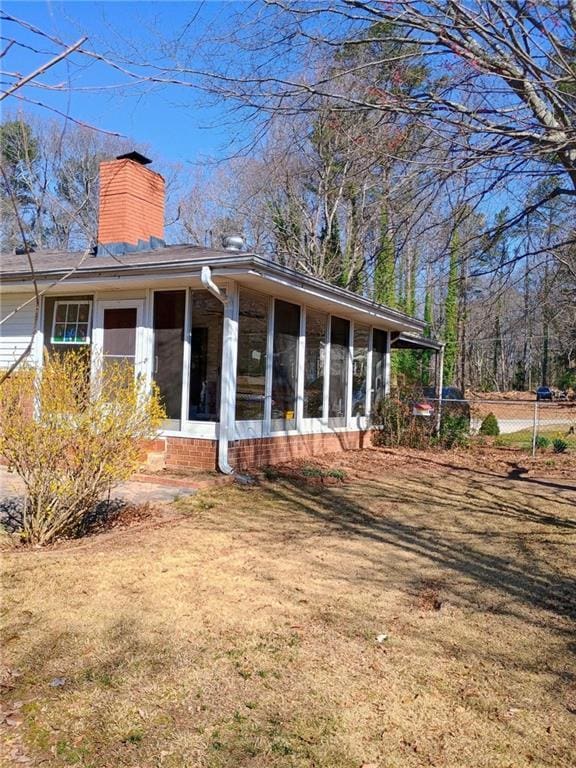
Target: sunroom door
119,335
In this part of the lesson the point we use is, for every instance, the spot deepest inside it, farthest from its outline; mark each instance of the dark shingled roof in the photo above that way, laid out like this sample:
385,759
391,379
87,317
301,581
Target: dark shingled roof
50,260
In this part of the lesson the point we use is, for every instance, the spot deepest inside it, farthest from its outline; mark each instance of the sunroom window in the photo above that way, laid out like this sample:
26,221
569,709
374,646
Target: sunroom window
285,364
339,350
71,324
360,369
314,359
252,342
378,365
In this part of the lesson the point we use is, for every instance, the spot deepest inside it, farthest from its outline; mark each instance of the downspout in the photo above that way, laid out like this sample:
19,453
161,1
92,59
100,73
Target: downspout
223,431
210,285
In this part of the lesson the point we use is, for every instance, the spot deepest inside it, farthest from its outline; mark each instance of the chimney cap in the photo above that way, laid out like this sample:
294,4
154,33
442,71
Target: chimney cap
136,156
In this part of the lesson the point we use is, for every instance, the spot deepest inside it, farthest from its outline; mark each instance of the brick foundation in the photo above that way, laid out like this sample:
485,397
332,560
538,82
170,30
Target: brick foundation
192,453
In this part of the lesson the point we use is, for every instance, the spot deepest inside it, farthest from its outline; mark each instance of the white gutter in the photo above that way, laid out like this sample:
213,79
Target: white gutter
370,312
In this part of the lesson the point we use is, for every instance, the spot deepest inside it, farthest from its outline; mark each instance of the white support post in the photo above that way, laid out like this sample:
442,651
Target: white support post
350,377
369,373
301,370
186,357
439,387
267,423
387,363
326,391
229,369
148,337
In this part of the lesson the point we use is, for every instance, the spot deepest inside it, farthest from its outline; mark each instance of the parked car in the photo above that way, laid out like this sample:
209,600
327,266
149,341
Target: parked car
453,402
544,393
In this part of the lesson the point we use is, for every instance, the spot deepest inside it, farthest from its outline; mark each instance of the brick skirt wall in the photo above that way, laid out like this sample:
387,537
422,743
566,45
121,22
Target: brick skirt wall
192,453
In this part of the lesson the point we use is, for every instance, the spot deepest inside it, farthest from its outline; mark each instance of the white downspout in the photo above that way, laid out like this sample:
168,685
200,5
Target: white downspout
228,379
210,285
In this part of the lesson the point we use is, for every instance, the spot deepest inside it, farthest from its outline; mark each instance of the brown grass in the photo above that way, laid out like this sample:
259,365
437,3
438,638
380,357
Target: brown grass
242,630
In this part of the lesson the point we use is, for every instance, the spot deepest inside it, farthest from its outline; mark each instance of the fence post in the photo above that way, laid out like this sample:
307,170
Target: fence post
534,428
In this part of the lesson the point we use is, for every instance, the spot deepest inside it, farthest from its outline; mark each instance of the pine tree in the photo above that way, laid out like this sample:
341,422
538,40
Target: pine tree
427,354
451,311
428,312
385,267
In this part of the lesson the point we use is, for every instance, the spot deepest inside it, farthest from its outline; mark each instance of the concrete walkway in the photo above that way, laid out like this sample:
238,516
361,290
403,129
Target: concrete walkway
131,492
143,492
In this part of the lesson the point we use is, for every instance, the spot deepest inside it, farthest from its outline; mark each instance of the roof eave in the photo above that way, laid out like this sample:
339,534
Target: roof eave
224,266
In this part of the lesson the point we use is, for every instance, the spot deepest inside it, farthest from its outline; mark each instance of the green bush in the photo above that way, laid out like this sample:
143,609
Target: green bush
489,426
454,430
568,379
542,442
559,445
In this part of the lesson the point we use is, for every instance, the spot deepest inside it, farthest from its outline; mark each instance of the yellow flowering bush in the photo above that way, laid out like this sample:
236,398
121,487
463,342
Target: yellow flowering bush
70,437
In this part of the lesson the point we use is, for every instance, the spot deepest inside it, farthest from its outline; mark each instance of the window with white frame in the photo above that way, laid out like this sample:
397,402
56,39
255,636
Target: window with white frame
379,339
314,361
71,323
360,369
252,344
338,384
285,364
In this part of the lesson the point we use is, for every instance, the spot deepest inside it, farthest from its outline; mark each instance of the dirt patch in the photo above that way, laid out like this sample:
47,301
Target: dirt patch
420,613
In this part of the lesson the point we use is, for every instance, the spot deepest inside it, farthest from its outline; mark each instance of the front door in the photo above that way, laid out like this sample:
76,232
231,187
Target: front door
118,334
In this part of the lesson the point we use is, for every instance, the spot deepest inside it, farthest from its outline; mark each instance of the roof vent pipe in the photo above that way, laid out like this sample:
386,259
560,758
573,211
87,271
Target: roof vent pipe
233,242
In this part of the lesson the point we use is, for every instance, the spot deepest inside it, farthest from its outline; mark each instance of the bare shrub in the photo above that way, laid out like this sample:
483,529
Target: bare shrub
395,425
70,439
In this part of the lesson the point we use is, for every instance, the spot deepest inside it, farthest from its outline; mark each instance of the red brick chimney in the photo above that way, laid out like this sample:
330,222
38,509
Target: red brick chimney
131,215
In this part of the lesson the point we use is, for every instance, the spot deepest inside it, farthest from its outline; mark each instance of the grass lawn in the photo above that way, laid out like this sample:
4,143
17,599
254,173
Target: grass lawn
240,628
523,438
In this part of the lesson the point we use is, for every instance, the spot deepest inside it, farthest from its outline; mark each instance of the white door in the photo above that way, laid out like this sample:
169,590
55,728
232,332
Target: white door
118,334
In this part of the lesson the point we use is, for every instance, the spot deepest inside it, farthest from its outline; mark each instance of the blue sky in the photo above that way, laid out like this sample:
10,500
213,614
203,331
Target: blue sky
175,124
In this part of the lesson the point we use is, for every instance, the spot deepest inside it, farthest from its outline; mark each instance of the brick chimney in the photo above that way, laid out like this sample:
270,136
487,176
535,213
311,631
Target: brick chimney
131,214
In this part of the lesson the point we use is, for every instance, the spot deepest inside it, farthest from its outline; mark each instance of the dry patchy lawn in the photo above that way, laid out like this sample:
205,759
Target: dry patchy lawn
240,629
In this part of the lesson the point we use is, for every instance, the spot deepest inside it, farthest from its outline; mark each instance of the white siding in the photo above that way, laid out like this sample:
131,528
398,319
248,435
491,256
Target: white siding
16,332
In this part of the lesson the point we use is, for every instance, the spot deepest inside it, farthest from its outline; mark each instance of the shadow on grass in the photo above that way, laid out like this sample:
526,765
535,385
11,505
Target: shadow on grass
515,472
530,580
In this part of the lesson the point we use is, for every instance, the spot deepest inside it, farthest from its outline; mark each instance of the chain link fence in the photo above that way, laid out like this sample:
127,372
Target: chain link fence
414,417
528,423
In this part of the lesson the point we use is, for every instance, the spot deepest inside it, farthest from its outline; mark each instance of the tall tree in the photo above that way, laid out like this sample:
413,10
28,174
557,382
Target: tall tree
385,264
451,310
